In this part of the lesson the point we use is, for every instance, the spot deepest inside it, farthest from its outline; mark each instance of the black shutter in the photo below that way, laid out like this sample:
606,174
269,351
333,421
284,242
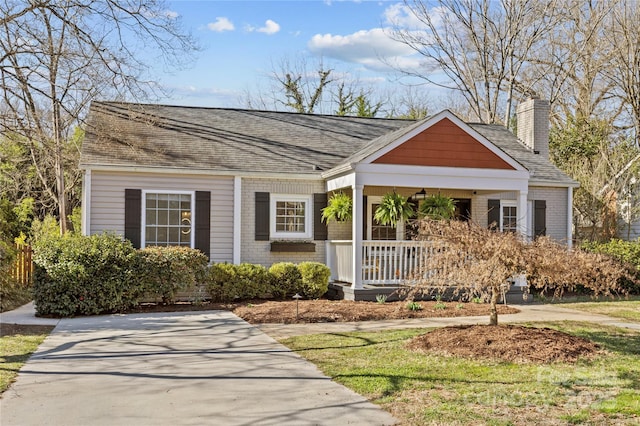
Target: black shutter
493,214
540,217
133,216
320,232
262,216
203,222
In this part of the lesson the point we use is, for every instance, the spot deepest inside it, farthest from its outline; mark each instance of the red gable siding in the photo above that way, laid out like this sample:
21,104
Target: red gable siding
444,144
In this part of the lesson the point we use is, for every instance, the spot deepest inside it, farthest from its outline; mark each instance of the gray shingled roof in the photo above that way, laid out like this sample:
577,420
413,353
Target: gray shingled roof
220,139
235,140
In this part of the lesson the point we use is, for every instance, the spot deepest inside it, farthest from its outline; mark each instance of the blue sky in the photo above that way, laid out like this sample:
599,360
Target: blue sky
242,40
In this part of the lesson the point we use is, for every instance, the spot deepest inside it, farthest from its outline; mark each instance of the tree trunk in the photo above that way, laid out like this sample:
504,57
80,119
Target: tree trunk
493,309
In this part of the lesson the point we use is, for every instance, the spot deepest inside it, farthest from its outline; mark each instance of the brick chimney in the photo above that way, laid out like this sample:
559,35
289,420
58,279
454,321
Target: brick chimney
533,125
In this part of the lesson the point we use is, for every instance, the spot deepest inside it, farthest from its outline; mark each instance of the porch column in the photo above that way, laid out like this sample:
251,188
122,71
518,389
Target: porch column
356,232
523,226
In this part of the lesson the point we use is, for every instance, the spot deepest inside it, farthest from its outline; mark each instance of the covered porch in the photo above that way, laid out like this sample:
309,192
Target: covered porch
365,255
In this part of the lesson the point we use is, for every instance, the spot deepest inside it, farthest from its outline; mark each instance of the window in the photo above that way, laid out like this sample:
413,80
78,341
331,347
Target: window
508,216
291,216
168,219
376,231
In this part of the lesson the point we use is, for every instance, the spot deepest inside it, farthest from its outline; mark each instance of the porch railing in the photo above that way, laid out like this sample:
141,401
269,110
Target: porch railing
383,262
392,262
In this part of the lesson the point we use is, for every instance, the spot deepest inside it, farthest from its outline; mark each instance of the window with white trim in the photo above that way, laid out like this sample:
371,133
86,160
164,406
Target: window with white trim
508,216
168,219
291,216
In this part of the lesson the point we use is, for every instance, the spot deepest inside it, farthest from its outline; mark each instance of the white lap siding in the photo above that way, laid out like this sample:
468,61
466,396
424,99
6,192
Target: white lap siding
107,203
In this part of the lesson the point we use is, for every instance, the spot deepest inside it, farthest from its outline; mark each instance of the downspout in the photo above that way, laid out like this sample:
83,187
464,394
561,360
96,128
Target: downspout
237,220
86,203
570,217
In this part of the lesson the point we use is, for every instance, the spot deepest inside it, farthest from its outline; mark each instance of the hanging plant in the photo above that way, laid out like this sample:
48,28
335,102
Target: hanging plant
339,208
438,207
393,208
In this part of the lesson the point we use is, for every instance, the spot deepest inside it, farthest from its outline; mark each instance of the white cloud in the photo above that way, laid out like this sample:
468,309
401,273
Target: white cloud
221,24
400,16
371,48
270,27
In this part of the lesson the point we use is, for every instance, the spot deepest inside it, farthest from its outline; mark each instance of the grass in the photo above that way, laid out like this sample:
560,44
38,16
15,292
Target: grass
628,310
429,389
15,349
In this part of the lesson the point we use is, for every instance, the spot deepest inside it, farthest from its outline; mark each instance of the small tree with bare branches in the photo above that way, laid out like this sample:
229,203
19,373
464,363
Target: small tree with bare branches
469,260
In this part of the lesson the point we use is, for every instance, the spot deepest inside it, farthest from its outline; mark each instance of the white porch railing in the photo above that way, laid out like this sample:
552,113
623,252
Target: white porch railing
383,262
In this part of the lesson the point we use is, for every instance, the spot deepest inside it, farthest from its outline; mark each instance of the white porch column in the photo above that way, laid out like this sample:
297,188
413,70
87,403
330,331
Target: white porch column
356,232
570,217
523,207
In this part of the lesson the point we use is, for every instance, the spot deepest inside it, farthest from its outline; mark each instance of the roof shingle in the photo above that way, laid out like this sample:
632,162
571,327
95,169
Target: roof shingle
236,140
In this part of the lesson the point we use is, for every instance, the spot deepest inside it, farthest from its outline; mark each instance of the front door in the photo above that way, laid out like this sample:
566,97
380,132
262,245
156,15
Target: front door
463,209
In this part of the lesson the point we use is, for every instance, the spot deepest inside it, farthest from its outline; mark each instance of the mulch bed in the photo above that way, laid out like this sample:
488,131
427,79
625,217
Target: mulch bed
510,343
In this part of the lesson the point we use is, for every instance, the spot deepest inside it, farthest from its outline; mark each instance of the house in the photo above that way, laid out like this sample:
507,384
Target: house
249,186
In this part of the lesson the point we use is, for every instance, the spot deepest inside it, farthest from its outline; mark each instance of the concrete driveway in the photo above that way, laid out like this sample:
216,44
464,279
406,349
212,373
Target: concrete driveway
175,369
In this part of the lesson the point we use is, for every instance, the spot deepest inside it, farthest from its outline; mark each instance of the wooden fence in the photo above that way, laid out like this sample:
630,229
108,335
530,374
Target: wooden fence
22,269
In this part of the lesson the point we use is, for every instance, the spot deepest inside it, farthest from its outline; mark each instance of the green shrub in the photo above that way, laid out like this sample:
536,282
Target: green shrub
315,279
221,277
254,281
227,282
80,275
287,279
168,270
627,251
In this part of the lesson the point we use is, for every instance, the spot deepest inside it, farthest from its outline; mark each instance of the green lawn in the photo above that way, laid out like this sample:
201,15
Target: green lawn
429,389
628,310
15,349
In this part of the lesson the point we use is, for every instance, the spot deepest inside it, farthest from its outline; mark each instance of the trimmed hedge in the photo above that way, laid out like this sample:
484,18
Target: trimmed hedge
315,279
167,270
227,282
287,280
80,275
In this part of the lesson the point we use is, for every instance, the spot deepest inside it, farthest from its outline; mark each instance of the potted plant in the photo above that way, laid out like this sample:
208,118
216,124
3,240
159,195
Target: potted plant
339,208
392,209
438,207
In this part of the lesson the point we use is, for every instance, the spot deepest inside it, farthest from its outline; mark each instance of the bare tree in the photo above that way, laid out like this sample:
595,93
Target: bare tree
623,68
470,261
481,46
301,85
58,55
568,68
408,102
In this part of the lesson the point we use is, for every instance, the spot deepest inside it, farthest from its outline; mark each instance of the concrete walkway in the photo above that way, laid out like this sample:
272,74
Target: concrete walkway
199,368
175,369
